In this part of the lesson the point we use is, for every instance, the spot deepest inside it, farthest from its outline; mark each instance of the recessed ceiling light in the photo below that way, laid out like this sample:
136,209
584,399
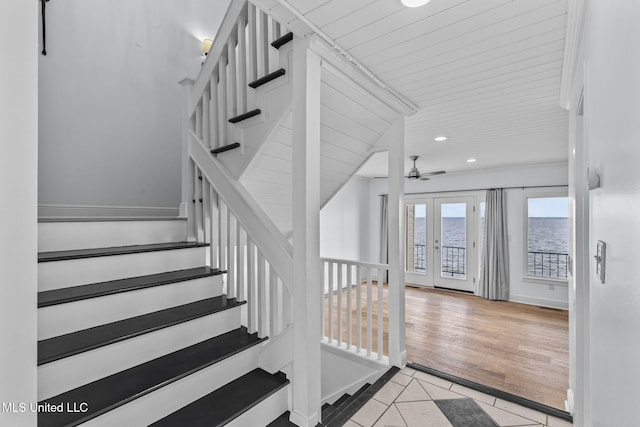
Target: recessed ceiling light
415,3
471,160
440,138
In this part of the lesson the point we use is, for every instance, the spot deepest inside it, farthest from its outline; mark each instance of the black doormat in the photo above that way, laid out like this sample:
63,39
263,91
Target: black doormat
465,413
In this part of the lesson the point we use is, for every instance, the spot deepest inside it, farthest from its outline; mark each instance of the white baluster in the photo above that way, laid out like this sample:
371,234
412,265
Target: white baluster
199,120
223,107
214,259
273,302
263,44
206,210
339,303
213,116
369,307
198,205
233,87
349,315
251,287
241,263
262,296
287,309
222,228
206,116
231,267
242,64
380,311
330,335
252,56
359,305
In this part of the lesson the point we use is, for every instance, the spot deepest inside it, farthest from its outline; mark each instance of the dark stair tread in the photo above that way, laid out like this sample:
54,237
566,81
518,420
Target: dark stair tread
228,402
282,421
117,389
278,43
266,79
245,116
115,250
335,406
335,415
359,399
224,148
73,343
93,290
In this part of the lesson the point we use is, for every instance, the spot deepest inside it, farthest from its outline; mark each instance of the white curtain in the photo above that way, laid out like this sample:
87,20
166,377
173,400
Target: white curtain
494,271
384,232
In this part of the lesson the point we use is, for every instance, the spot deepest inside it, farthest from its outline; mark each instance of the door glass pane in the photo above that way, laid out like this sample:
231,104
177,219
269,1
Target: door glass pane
416,238
454,240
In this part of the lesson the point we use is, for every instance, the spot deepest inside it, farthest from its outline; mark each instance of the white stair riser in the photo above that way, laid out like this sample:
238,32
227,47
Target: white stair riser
71,372
264,412
63,236
62,274
70,317
166,400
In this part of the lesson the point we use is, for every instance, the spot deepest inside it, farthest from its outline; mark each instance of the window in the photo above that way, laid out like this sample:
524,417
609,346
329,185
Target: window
547,236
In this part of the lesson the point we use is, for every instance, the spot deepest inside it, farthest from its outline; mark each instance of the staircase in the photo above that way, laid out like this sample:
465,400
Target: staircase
136,329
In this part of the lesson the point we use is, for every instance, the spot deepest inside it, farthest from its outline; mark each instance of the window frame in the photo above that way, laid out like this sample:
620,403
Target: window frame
537,193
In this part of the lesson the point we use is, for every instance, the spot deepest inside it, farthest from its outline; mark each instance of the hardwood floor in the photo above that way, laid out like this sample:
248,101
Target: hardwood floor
517,348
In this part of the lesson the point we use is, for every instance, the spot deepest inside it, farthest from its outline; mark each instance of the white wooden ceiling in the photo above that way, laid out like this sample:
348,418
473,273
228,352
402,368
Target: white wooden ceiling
485,73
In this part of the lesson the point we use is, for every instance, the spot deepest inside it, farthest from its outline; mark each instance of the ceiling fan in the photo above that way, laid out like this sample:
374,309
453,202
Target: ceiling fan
414,173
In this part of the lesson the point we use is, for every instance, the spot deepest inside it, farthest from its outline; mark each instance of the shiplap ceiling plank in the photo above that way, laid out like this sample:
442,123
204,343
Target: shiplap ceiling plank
349,126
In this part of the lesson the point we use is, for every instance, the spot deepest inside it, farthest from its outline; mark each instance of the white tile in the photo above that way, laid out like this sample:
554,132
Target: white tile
388,393
401,378
474,394
391,418
536,416
433,380
413,393
408,371
557,422
422,414
369,413
351,424
439,393
504,418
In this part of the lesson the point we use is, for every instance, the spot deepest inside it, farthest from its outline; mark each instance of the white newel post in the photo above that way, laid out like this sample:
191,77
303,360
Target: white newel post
307,316
397,349
187,193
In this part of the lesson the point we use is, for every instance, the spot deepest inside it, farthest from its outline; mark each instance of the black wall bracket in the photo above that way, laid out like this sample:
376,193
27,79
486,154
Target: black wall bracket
44,26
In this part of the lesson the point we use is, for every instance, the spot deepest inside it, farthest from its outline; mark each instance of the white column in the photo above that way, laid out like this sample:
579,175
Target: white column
186,206
18,218
306,236
397,350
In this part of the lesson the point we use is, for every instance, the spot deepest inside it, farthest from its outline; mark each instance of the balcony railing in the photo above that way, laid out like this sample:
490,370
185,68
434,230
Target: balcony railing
548,264
453,260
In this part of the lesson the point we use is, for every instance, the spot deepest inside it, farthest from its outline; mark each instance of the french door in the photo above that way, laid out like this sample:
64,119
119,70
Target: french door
440,242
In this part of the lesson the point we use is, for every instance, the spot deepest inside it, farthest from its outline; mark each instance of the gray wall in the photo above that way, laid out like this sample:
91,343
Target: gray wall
110,103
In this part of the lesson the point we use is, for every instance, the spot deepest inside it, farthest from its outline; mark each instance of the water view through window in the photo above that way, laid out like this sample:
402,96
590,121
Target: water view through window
548,237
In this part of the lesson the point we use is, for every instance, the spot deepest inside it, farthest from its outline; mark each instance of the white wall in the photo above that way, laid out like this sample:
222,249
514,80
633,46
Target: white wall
110,100
544,294
612,111
18,190
344,222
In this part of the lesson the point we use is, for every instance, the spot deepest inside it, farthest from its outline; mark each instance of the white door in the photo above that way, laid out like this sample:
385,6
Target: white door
453,245
439,242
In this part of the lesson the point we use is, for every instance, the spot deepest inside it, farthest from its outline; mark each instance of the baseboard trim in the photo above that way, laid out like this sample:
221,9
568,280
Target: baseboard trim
540,407
69,212
540,302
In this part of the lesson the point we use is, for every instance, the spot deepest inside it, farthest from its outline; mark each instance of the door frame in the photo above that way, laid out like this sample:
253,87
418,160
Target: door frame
477,197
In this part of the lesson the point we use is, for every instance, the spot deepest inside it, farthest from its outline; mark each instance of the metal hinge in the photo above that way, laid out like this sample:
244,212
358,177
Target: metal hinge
474,208
474,280
474,244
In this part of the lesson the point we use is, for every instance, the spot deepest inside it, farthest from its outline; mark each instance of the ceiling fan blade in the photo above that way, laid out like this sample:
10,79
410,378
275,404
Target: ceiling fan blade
433,173
424,178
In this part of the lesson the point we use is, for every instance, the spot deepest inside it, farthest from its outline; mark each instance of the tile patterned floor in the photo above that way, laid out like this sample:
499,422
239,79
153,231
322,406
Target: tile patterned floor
408,401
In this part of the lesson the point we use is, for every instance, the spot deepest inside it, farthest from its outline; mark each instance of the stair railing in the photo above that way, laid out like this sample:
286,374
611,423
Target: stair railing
239,55
355,305
243,240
